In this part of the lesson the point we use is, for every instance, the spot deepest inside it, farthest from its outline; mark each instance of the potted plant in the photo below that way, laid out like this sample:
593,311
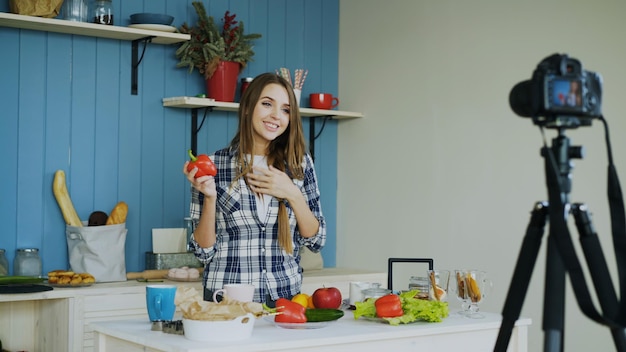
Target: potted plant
219,53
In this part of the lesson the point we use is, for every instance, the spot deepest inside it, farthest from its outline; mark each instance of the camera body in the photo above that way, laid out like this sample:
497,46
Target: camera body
560,94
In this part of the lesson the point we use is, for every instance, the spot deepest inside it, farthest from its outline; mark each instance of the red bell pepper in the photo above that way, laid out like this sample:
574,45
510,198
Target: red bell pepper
389,306
203,163
289,312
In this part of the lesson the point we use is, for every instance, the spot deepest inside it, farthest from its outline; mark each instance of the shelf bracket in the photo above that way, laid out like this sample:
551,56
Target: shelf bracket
312,135
195,129
136,60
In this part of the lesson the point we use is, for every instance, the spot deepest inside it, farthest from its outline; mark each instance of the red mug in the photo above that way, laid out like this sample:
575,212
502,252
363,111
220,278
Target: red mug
324,101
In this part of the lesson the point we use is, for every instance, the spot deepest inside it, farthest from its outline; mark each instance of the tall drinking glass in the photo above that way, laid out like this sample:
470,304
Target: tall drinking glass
478,286
460,291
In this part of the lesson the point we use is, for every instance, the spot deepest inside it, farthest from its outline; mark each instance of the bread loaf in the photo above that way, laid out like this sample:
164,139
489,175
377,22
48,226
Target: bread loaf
118,214
59,188
98,218
70,278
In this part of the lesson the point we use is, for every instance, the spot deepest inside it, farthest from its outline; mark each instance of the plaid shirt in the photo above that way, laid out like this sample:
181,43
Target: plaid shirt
246,248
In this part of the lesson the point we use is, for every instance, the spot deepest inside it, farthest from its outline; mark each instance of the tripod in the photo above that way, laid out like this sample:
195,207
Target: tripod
561,258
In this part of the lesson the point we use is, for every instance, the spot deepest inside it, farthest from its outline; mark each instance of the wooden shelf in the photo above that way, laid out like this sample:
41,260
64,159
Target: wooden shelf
88,29
195,103
133,35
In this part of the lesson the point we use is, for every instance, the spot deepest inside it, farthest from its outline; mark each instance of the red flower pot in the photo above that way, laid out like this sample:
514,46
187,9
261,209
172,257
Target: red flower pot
223,84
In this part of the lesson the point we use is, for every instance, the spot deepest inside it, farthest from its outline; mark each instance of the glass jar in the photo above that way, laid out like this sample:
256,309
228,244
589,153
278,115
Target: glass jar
420,283
375,292
102,12
27,262
4,263
75,10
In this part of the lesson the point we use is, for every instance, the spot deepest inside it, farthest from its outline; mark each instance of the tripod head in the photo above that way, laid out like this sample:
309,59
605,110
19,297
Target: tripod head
563,152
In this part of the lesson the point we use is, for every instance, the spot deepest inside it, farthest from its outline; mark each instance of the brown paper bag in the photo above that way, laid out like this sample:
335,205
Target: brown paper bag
39,8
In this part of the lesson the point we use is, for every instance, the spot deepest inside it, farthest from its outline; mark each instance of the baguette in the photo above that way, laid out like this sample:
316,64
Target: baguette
59,188
118,214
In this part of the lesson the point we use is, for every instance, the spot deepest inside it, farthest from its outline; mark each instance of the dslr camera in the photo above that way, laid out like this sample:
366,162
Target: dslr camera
560,94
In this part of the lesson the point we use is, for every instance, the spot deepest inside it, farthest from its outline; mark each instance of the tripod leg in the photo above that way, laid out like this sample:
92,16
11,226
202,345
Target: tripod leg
521,275
554,298
599,270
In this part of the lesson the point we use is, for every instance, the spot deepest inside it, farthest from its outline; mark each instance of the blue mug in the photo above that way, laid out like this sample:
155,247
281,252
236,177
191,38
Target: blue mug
160,302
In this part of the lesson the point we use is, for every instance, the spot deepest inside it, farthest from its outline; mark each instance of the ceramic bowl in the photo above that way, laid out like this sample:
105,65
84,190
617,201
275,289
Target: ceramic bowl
237,329
151,18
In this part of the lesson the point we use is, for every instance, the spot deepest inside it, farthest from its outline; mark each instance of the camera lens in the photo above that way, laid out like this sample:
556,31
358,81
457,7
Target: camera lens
520,99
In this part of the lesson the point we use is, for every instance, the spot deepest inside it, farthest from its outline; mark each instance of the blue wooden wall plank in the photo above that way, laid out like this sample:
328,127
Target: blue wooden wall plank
30,134
294,30
57,144
313,39
73,111
329,25
9,94
106,132
258,23
82,163
275,34
129,178
152,147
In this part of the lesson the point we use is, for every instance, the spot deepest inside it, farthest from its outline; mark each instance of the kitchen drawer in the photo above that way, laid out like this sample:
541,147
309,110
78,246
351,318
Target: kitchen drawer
115,302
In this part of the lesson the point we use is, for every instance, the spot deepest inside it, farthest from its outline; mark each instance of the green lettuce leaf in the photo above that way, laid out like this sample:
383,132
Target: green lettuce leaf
414,309
365,309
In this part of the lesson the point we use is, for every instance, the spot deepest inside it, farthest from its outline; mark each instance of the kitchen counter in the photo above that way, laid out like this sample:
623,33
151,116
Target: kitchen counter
58,320
455,333
311,280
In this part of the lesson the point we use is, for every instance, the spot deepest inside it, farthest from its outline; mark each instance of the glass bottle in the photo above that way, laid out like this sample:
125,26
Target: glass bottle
27,262
245,82
189,226
4,263
420,283
103,12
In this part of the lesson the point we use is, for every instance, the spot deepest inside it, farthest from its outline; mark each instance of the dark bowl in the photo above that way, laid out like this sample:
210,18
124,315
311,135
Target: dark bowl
151,18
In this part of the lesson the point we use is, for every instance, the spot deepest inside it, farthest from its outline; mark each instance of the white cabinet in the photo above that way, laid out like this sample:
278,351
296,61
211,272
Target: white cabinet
58,320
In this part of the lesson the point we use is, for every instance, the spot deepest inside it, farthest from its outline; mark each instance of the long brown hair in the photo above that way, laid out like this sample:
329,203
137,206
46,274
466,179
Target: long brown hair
286,152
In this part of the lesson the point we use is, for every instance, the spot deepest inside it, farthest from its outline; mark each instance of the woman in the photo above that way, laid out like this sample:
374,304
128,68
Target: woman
253,217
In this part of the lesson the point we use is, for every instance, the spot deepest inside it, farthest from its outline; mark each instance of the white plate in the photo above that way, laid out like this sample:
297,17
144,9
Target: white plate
299,325
68,285
153,27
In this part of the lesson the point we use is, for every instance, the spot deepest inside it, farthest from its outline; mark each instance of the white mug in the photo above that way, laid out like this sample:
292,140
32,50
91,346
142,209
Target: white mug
239,292
356,290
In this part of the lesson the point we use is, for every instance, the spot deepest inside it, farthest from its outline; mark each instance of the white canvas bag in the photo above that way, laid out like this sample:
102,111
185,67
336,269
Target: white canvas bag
98,250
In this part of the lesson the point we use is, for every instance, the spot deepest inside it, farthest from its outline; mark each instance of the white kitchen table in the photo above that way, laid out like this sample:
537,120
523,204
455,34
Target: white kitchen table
455,333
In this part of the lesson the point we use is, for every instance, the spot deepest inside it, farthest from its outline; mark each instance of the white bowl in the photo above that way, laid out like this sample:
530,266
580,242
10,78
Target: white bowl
151,18
237,329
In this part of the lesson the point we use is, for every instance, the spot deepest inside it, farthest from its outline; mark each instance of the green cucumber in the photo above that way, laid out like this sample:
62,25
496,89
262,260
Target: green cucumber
7,280
316,315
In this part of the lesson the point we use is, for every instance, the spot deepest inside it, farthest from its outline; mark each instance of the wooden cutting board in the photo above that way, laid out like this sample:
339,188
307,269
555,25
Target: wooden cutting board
150,274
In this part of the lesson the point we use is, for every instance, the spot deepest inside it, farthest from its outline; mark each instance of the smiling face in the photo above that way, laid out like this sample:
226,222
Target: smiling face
270,118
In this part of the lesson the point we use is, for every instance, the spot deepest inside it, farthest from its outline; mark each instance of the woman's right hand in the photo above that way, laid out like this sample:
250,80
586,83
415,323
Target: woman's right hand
204,184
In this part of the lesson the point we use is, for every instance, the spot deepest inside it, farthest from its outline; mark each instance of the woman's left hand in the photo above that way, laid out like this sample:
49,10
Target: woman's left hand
273,182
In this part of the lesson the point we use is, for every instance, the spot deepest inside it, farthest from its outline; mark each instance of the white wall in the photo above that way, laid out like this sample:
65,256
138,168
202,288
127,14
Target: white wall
440,166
